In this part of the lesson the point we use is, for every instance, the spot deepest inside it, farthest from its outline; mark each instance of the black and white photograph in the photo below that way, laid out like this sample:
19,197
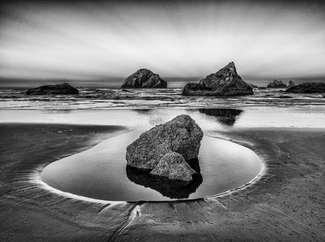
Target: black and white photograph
162,121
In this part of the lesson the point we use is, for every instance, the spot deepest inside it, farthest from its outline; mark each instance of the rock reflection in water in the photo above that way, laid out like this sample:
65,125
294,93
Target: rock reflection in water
224,116
168,188
142,111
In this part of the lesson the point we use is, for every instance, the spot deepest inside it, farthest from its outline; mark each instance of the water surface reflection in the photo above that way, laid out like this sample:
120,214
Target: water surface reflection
224,116
166,187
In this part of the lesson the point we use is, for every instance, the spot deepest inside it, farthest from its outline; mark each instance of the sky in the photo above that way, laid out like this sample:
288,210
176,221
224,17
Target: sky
106,41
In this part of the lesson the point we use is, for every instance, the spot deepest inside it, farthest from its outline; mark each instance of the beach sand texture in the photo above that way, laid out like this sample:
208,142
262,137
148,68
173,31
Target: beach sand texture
287,204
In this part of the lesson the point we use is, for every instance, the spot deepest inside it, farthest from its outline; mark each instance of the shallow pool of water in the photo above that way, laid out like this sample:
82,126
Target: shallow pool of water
101,172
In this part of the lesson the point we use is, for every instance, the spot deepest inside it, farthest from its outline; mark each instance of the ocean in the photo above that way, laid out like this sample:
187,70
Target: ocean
108,98
149,107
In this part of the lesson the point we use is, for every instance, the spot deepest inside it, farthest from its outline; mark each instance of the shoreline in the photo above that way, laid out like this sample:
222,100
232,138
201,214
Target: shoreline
285,204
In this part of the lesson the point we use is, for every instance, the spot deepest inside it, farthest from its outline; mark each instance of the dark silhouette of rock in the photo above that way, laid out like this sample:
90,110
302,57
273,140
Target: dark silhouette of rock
308,87
225,82
291,84
284,96
181,135
61,89
173,166
174,189
190,89
144,78
276,84
224,116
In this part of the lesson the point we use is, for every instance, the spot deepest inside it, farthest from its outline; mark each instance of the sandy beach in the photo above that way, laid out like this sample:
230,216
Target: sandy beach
287,204
157,121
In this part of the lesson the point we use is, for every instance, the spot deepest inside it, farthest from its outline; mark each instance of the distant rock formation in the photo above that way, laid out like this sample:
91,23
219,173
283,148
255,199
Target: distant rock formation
276,84
60,89
165,148
308,87
225,82
144,78
291,84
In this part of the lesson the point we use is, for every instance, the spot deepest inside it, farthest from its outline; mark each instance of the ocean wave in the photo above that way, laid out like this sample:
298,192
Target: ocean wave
106,98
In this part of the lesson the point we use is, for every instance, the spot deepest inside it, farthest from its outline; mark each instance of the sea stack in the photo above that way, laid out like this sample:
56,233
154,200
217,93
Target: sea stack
291,84
277,84
165,149
308,87
144,78
59,89
225,82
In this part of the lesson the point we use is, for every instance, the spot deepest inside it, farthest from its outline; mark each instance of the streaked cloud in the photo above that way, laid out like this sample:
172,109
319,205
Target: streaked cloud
93,41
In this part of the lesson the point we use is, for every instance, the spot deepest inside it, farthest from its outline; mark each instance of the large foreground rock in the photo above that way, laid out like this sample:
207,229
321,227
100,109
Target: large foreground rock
277,84
159,146
308,87
225,82
144,78
61,89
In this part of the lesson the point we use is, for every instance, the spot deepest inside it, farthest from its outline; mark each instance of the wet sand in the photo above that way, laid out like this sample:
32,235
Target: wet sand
285,205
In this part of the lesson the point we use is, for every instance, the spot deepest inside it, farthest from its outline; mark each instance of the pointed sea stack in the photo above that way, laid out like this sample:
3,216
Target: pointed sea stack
58,89
225,82
144,78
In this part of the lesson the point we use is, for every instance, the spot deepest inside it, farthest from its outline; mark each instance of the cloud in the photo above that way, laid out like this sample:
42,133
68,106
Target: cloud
93,41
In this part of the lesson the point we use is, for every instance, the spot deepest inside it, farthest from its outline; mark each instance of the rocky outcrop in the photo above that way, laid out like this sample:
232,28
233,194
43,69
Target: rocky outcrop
291,84
144,78
308,87
225,82
60,89
157,147
276,84
173,166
